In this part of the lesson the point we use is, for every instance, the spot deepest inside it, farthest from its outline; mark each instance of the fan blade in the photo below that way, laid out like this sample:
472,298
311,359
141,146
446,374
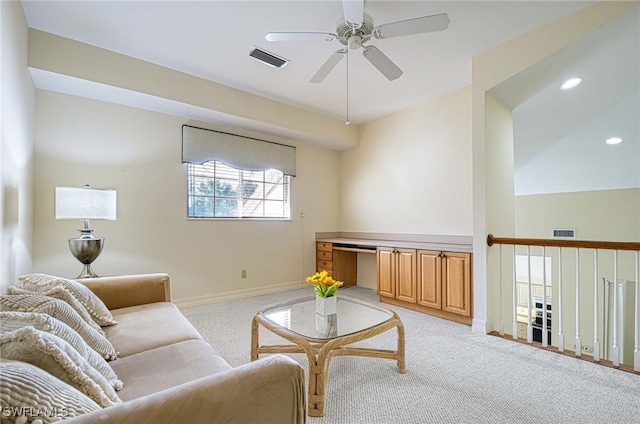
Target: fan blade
382,63
328,66
353,11
300,36
421,25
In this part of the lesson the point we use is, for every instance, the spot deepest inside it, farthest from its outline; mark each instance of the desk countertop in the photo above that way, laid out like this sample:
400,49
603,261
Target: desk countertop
460,244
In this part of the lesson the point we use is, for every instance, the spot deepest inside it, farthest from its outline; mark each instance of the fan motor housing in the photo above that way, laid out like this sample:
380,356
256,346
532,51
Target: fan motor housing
345,31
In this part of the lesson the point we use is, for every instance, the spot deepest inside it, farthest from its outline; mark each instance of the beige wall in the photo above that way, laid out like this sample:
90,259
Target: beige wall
499,191
16,149
138,153
612,215
411,172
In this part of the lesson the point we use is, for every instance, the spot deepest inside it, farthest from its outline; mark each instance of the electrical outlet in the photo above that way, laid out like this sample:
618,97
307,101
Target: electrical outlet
301,214
243,273
587,349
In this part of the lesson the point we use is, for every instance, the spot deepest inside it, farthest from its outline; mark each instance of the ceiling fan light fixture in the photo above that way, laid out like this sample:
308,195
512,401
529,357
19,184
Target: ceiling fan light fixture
268,58
355,42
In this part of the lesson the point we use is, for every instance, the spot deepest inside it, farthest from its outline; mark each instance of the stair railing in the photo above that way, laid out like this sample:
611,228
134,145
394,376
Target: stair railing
612,317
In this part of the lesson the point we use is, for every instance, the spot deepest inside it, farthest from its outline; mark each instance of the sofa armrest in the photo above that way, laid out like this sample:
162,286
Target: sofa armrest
270,390
130,290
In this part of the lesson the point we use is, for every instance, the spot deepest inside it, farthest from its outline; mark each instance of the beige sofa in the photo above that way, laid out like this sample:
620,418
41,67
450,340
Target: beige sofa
172,375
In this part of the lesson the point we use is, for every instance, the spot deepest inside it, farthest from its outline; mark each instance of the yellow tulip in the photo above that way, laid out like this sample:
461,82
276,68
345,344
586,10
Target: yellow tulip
322,282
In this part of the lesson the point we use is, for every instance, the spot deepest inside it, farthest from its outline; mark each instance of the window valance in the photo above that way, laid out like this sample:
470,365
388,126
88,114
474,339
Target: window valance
201,145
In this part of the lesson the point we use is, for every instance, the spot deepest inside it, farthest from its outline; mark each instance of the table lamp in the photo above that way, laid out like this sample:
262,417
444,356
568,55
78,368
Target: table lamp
85,204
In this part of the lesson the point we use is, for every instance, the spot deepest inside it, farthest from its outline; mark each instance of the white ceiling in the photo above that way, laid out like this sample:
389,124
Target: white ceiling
212,40
558,135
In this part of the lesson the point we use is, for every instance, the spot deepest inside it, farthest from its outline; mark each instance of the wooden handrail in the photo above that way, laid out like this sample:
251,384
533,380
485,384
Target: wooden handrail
579,244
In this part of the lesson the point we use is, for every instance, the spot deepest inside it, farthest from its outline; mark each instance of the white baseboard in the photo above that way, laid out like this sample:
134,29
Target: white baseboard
236,294
479,326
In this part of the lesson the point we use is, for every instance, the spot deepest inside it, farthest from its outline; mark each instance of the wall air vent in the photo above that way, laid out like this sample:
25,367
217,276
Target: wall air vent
268,58
564,233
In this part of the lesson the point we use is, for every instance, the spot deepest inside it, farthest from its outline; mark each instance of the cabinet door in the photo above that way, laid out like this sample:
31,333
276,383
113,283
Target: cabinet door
345,267
429,279
406,275
456,283
386,272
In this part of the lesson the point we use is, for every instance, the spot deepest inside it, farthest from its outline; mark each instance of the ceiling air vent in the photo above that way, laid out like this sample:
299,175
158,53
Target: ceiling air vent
564,233
268,58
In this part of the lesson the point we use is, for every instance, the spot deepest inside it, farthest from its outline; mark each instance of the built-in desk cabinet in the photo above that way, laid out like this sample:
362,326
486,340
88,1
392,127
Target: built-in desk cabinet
445,281
397,273
324,257
434,282
438,283
341,264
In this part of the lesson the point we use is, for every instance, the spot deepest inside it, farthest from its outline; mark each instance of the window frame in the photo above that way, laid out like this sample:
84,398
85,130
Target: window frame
195,171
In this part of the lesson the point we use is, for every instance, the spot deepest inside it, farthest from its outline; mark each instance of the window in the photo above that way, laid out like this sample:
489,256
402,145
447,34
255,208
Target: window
216,190
220,183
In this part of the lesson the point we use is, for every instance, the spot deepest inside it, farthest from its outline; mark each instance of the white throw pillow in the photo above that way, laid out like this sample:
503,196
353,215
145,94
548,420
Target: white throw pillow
57,357
11,321
60,310
29,392
62,294
96,308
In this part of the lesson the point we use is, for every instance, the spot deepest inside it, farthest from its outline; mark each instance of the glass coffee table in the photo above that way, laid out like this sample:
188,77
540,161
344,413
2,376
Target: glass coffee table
323,337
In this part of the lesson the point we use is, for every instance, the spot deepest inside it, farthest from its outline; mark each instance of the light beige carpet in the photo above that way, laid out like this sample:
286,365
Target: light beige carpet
453,375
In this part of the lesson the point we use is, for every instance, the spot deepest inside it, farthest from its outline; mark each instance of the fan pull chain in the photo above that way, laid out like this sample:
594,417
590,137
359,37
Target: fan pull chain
347,122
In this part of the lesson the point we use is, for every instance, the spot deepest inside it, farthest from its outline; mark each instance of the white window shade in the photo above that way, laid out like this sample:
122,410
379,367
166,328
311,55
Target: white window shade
201,145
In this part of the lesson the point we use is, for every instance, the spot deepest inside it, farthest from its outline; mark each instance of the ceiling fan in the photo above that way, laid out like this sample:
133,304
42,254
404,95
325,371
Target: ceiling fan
355,29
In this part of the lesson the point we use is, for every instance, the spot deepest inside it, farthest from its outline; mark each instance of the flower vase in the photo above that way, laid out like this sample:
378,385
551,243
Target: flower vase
327,325
326,305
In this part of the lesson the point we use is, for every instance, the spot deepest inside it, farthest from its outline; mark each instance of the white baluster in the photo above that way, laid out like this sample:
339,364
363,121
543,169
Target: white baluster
636,350
559,305
545,338
615,353
578,343
501,329
529,327
514,329
596,341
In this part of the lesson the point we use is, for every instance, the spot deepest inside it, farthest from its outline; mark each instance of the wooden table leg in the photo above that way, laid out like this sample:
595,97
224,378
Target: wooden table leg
319,354
254,339
401,352
316,391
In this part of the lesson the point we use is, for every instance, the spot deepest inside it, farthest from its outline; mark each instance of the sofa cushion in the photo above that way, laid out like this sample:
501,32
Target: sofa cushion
11,321
60,310
167,366
27,391
145,327
95,307
52,354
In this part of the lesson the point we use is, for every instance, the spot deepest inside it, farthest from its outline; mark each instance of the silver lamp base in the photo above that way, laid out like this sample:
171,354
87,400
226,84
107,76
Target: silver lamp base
86,249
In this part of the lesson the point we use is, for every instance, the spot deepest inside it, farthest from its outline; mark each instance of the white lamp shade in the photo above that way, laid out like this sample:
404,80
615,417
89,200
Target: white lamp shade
85,203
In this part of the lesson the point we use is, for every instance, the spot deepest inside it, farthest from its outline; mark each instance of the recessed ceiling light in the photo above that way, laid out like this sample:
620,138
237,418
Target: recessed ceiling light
613,140
570,83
